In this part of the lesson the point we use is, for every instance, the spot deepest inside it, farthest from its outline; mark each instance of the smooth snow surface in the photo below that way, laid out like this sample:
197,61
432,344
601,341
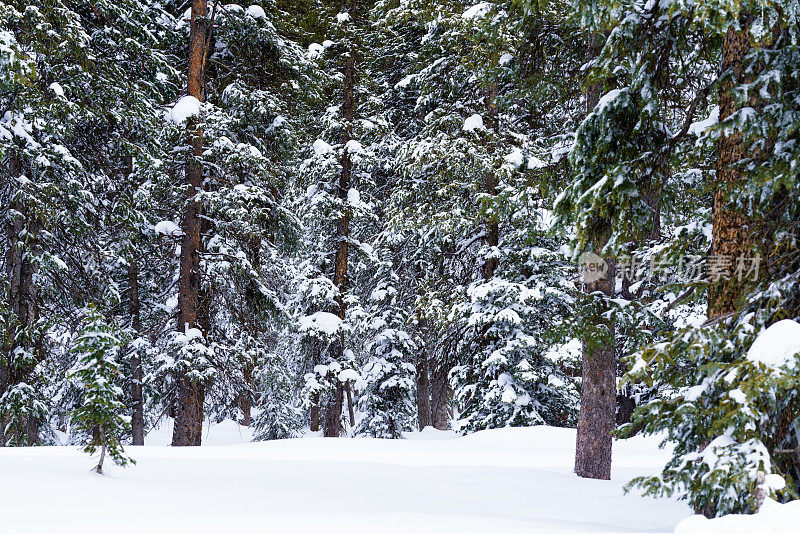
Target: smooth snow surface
515,480
777,345
774,518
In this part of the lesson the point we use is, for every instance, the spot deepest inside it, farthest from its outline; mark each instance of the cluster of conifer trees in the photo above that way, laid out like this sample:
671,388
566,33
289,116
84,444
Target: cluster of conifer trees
365,217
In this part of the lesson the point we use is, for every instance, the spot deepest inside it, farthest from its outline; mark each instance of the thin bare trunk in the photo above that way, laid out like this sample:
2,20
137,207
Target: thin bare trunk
492,238
245,403
99,467
423,391
350,411
137,400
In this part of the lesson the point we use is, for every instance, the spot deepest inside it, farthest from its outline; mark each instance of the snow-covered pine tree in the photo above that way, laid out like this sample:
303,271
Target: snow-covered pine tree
338,212
386,407
387,388
100,417
81,100
279,414
735,160
471,183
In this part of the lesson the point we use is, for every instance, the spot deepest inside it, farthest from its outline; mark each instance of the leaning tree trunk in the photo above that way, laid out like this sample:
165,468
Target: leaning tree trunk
732,233
189,409
598,366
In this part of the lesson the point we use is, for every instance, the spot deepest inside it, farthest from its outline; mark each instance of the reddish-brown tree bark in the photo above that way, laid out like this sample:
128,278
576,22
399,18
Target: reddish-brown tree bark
732,233
189,408
491,183
333,411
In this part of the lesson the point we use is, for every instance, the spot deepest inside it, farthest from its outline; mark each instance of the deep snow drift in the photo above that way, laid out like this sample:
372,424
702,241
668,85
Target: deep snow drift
498,481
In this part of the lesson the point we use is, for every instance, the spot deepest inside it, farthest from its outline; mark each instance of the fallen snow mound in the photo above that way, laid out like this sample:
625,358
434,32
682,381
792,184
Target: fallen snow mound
774,518
777,346
187,106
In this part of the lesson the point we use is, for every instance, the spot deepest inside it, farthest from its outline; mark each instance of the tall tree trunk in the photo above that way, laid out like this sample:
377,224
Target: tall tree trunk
137,400
245,402
440,398
423,390
21,234
598,391
313,413
189,409
491,183
333,424
598,363
732,233
333,413
350,410
134,310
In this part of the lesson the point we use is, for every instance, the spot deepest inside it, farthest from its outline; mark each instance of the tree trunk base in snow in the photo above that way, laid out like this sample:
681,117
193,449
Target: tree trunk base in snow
440,399
188,430
423,392
333,413
598,392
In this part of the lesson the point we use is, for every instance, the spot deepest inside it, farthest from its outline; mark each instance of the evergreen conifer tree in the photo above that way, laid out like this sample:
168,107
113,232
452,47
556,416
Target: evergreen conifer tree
100,415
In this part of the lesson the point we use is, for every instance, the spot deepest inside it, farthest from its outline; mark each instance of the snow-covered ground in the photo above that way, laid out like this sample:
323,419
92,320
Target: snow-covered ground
498,481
